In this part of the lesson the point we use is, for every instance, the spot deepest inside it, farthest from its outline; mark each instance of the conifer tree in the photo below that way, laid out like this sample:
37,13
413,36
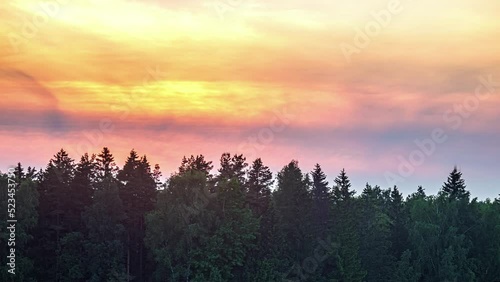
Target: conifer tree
180,225
226,251
375,234
321,203
81,190
455,187
260,179
106,243
345,230
138,193
54,188
293,204
232,167
105,164
399,218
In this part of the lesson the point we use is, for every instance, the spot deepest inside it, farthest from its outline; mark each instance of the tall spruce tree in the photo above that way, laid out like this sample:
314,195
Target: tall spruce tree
105,164
455,187
345,230
399,219
180,226
81,191
138,193
54,190
106,242
321,203
232,167
375,234
260,180
293,205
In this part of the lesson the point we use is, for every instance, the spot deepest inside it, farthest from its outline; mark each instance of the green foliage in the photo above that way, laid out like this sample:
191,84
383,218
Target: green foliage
454,188
92,221
26,203
375,233
260,179
293,205
138,193
105,244
321,203
345,229
73,262
405,270
232,167
179,225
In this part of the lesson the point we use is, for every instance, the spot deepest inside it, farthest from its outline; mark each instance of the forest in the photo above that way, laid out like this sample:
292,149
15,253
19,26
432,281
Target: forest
90,220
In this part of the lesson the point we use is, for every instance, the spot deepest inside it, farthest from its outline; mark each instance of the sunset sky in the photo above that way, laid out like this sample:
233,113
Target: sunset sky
317,81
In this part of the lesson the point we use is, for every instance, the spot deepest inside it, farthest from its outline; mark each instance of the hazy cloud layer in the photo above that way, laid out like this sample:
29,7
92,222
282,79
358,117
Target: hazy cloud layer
185,77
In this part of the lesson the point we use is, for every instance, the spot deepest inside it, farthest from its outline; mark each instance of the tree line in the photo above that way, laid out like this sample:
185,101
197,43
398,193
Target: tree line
93,221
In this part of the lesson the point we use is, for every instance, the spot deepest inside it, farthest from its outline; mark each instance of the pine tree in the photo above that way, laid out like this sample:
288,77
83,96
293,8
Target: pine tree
342,189
345,230
105,164
106,242
454,188
266,260
375,234
232,167
180,226
138,193
293,205
55,200
19,173
399,218
81,190
260,179
321,203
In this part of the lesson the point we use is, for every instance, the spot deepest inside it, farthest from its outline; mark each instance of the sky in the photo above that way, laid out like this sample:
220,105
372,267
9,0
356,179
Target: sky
395,92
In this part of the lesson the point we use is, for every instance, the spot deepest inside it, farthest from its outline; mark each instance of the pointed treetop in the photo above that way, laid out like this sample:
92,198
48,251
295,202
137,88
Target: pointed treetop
320,188
232,167
258,187
61,159
319,177
455,186
342,187
106,163
19,172
259,175
396,196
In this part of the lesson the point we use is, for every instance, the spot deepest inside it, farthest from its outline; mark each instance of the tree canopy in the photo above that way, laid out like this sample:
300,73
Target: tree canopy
95,221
